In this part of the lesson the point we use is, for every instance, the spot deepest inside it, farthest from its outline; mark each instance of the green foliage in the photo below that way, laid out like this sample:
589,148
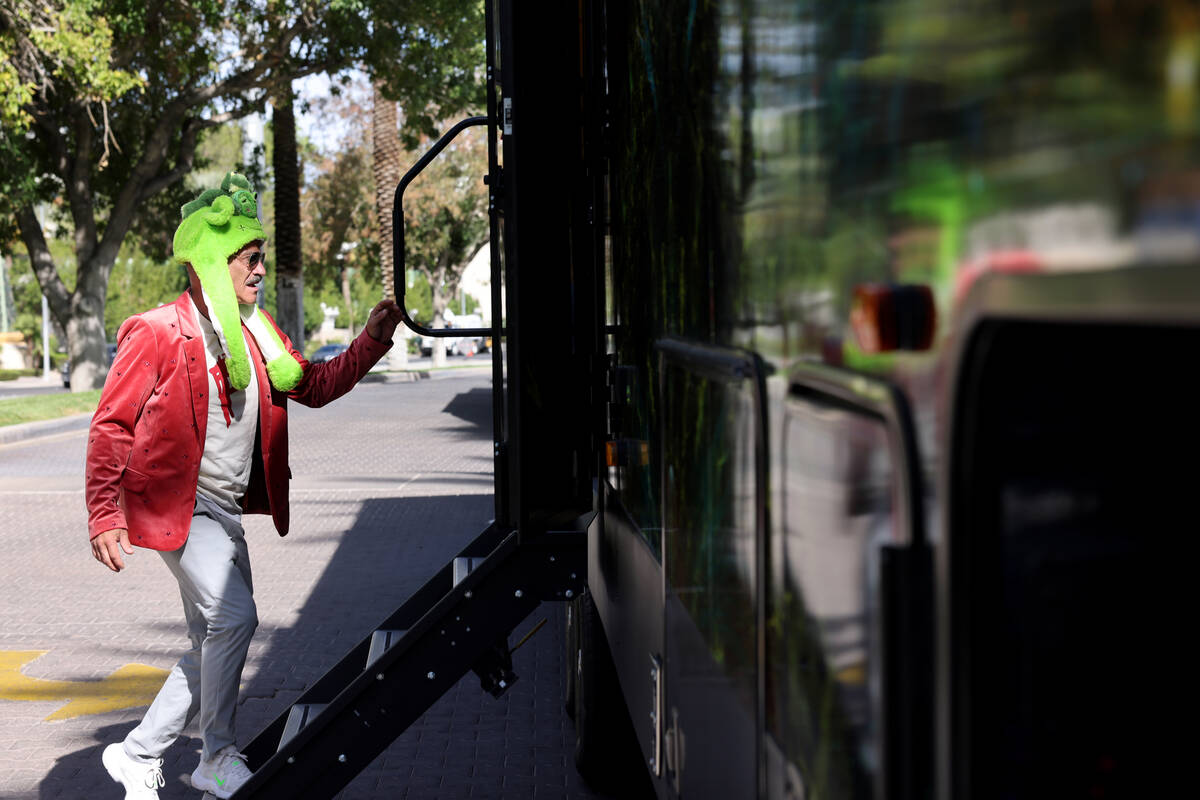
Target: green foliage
15,94
339,218
418,297
27,295
103,104
139,283
430,58
364,294
78,42
445,215
71,43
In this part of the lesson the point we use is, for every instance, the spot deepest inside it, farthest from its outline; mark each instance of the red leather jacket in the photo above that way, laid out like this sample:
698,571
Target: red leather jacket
147,436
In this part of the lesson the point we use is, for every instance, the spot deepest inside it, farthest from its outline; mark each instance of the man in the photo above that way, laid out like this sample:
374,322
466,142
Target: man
190,433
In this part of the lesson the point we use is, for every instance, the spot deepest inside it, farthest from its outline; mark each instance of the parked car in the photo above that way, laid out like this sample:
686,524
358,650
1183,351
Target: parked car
110,350
326,352
464,345
470,345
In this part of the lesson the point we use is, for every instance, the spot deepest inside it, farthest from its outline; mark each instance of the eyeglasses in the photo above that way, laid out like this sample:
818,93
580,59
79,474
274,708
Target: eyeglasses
256,258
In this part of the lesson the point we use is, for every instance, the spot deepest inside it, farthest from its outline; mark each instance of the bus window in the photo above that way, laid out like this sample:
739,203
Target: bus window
712,499
835,510
709,515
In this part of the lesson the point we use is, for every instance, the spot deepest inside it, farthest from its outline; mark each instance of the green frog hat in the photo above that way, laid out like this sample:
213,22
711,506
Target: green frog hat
215,226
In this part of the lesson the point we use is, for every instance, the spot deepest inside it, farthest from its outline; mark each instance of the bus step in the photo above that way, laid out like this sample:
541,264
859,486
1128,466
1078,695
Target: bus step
298,717
381,641
457,623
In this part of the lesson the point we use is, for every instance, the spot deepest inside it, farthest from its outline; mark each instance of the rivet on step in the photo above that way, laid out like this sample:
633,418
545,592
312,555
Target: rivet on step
517,593
551,558
379,676
467,594
342,758
291,759
572,576
429,675
570,594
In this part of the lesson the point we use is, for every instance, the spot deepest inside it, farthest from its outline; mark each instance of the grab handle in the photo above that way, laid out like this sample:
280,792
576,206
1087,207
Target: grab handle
399,272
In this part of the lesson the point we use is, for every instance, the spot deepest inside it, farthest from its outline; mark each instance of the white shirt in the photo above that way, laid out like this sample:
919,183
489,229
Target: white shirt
232,423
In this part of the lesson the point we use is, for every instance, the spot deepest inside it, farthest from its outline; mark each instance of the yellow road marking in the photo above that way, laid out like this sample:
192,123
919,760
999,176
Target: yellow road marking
130,686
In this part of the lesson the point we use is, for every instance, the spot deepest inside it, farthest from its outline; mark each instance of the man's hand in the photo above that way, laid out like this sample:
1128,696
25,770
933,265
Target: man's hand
107,548
382,322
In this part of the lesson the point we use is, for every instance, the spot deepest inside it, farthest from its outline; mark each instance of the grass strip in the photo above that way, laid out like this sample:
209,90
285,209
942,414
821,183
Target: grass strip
13,374
15,410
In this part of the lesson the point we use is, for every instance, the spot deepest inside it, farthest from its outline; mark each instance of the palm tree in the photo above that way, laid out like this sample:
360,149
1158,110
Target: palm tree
386,167
289,278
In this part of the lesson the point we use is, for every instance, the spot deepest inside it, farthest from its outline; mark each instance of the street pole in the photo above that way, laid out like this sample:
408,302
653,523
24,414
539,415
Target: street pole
45,339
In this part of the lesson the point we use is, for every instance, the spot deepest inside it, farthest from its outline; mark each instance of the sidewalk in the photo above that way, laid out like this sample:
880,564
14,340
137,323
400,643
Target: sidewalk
26,431
385,494
30,382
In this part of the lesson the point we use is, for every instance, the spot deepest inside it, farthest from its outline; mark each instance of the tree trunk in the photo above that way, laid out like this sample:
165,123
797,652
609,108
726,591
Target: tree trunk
85,328
289,275
438,299
347,300
385,138
385,166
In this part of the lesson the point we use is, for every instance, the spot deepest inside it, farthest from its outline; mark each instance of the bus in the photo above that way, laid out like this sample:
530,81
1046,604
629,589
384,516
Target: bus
839,397
899,306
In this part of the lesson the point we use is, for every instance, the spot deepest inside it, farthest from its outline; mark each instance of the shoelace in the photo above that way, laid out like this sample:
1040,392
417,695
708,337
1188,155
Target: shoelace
154,776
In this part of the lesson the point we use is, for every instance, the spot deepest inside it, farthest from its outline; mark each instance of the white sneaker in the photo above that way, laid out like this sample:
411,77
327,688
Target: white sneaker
141,779
222,776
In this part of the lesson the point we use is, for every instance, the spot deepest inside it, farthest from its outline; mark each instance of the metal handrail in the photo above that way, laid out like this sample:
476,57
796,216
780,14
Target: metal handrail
399,271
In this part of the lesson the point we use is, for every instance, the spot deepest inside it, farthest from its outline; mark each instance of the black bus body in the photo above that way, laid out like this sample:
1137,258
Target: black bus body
870,347
844,351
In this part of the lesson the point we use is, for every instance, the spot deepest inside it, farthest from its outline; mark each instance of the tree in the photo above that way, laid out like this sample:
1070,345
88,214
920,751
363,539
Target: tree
341,237
103,102
289,276
446,217
385,137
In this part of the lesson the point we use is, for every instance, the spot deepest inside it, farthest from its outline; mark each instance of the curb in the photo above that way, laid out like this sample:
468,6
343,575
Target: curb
45,427
408,376
414,375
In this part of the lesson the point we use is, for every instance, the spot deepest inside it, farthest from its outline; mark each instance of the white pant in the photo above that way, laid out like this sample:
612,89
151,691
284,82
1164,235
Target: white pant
213,571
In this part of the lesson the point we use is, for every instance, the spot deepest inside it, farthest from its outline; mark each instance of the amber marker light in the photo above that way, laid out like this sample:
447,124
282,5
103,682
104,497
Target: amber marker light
887,317
626,452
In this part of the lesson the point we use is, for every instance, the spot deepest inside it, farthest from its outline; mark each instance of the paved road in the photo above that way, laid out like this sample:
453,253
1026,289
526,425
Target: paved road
389,482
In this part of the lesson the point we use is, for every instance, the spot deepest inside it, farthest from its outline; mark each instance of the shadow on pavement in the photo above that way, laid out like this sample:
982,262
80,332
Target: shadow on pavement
80,774
468,744
475,408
